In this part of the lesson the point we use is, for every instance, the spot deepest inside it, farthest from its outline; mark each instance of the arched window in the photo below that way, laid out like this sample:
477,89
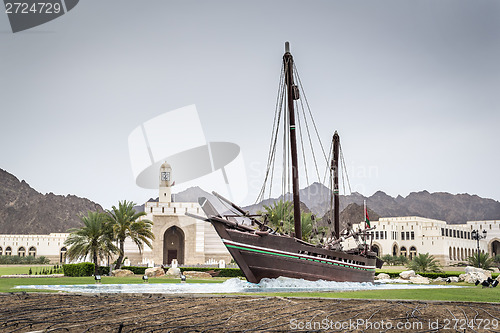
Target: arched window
454,253
21,252
413,252
8,251
62,255
403,251
32,251
450,254
462,256
395,250
1,251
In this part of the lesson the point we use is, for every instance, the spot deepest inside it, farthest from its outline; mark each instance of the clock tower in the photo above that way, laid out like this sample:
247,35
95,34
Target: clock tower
165,182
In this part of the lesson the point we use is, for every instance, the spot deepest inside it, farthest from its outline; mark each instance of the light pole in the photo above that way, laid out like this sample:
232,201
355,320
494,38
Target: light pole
477,236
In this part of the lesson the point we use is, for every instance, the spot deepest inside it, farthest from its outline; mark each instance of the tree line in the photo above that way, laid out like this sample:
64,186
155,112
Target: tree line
104,233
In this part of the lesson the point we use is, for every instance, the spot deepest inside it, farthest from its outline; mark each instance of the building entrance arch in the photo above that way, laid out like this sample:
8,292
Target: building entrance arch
395,250
494,247
173,245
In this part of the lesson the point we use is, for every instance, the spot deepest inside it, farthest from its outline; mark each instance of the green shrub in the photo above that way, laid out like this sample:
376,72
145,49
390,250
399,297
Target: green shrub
81,269
229,272
135,269
103,270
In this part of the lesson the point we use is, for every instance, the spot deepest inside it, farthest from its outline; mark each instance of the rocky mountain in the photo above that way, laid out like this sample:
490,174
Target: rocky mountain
23,210
452,208
353,213
26,211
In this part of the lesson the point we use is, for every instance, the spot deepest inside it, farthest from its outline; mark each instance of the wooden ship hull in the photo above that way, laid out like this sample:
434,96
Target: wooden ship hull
263,255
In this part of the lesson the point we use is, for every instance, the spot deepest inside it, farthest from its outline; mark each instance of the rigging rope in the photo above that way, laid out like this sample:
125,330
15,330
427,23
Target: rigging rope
309,109
345,168
310,143
274,136
302,146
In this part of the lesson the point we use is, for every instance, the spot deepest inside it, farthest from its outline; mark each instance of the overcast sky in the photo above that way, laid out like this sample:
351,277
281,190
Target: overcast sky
413,87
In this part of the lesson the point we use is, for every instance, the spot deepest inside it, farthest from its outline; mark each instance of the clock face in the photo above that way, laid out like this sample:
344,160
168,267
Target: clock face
165,176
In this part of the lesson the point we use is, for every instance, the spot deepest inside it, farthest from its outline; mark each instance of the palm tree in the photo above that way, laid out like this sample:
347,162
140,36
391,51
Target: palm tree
280,218
481,260
125,224
424,262
94,239
389,259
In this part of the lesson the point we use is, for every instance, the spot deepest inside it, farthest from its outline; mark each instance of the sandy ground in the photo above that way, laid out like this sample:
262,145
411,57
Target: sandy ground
38,312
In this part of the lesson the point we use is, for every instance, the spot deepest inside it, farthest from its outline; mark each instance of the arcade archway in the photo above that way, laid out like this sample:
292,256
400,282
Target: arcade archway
173,245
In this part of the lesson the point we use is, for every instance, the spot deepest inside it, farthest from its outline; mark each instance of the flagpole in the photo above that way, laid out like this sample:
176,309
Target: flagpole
364,212
364,219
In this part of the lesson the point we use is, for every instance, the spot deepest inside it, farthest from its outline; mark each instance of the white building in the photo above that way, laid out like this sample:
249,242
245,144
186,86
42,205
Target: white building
449,243
177,236
50,246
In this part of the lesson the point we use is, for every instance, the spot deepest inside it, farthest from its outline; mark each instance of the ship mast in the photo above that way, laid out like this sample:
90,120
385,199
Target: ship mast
335,170
293,94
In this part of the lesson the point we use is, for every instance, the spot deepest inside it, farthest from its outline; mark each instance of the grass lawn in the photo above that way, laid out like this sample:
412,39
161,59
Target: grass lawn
22,269
6,284
469,294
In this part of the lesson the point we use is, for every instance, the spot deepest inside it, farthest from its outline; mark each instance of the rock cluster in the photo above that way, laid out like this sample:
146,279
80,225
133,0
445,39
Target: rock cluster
382,276
414,278
174,272
154,272
122,272
197,275
473,274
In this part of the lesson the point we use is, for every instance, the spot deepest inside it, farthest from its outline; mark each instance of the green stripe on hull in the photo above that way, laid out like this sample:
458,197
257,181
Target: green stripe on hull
295,257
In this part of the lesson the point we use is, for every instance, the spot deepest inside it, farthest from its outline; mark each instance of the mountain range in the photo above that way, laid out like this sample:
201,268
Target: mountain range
23,210
452,208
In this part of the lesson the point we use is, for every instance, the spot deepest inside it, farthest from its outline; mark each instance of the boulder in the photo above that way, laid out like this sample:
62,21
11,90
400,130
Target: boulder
174,271
439,279
470,269
472,274
406,275
154,272
454,279
382,276
472,277
419,280
197,275
122,272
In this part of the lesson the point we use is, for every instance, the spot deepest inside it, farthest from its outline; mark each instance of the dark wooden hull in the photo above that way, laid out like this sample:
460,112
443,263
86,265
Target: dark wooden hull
270,256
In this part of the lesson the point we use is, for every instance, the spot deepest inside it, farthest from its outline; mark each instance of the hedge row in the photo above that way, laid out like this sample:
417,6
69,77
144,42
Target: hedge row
224,272
81,269
135,269
87,269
